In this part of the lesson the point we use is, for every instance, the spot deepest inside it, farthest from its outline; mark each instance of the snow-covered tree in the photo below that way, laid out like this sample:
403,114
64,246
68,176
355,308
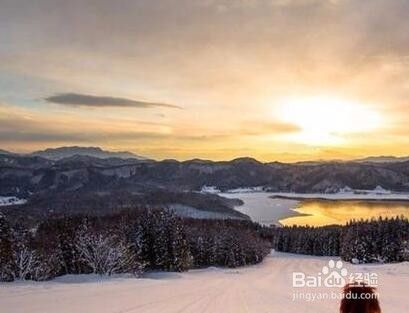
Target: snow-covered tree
180,255
161,240
104,253
47,266
136,239
7,261
27,262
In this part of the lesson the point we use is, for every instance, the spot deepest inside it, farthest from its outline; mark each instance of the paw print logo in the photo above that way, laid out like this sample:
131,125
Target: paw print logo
335,273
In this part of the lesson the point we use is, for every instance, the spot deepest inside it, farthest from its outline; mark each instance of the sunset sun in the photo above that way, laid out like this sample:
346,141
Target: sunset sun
325,120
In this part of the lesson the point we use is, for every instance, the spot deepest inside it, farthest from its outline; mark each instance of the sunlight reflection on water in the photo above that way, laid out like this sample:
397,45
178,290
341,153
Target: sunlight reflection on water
325,212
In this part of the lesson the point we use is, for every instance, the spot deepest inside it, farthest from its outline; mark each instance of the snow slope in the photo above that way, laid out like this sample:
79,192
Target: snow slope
188,211
258,289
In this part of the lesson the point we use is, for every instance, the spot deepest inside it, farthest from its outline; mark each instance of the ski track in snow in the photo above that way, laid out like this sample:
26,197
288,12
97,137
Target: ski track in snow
262,288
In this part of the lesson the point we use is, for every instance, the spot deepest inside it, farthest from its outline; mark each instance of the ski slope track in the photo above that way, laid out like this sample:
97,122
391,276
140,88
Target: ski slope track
263,288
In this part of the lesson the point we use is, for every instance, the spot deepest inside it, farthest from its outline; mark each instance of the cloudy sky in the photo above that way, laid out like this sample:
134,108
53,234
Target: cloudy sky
273,79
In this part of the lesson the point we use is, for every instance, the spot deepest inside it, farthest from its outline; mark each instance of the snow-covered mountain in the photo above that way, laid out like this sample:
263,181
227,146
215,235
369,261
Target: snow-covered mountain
38,174
66,152
384,159
6,152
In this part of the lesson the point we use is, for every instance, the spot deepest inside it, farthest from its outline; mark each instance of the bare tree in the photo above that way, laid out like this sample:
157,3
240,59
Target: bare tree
104,253
26,261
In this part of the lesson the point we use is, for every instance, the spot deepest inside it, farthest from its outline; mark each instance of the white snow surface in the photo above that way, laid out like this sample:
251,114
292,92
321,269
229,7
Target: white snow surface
262,288
11,201
189,211
246,189
209,189
355,195
214,189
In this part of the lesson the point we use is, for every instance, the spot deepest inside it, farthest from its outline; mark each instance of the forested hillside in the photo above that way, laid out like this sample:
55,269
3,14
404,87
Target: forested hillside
129,242
383,240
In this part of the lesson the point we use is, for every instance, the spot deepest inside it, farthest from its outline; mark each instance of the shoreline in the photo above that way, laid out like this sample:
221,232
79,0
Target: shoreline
264,210
274,208
340,197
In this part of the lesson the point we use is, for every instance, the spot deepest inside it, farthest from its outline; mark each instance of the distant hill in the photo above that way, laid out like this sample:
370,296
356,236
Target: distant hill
34,174
370,159
83,183
93,170
384,159
5,152
67,152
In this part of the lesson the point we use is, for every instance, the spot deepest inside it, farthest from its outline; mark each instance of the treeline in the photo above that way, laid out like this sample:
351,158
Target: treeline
129,242
365,241
229,243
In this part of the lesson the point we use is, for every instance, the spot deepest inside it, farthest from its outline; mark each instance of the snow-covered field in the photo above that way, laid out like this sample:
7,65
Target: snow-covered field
345,193
342,196
263,288
188,211
11,201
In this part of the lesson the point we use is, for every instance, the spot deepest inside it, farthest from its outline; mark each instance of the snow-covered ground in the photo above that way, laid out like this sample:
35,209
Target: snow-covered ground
214,189
11,201
188,211
263,288
246,189
209,189
345,193
343,196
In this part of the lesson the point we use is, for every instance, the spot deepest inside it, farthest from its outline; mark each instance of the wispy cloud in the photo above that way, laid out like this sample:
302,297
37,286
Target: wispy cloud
122,71
259,128
20,127
76,99
41,131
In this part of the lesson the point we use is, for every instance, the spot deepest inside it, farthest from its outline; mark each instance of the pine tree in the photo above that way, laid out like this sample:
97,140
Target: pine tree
161,241
137,239
48,250
66,234
7,261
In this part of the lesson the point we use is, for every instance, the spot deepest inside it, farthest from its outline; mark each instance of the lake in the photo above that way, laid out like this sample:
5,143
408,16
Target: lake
261,208
326,212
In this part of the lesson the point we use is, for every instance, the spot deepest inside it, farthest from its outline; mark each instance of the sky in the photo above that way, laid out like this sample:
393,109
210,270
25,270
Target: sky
285,80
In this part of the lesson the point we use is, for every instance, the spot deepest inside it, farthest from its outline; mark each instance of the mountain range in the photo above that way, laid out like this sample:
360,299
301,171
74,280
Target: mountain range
66,152
93,169
70,151
75,182
384,159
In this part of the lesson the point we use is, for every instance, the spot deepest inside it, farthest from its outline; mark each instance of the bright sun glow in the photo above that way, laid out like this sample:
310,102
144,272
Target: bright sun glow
326,120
